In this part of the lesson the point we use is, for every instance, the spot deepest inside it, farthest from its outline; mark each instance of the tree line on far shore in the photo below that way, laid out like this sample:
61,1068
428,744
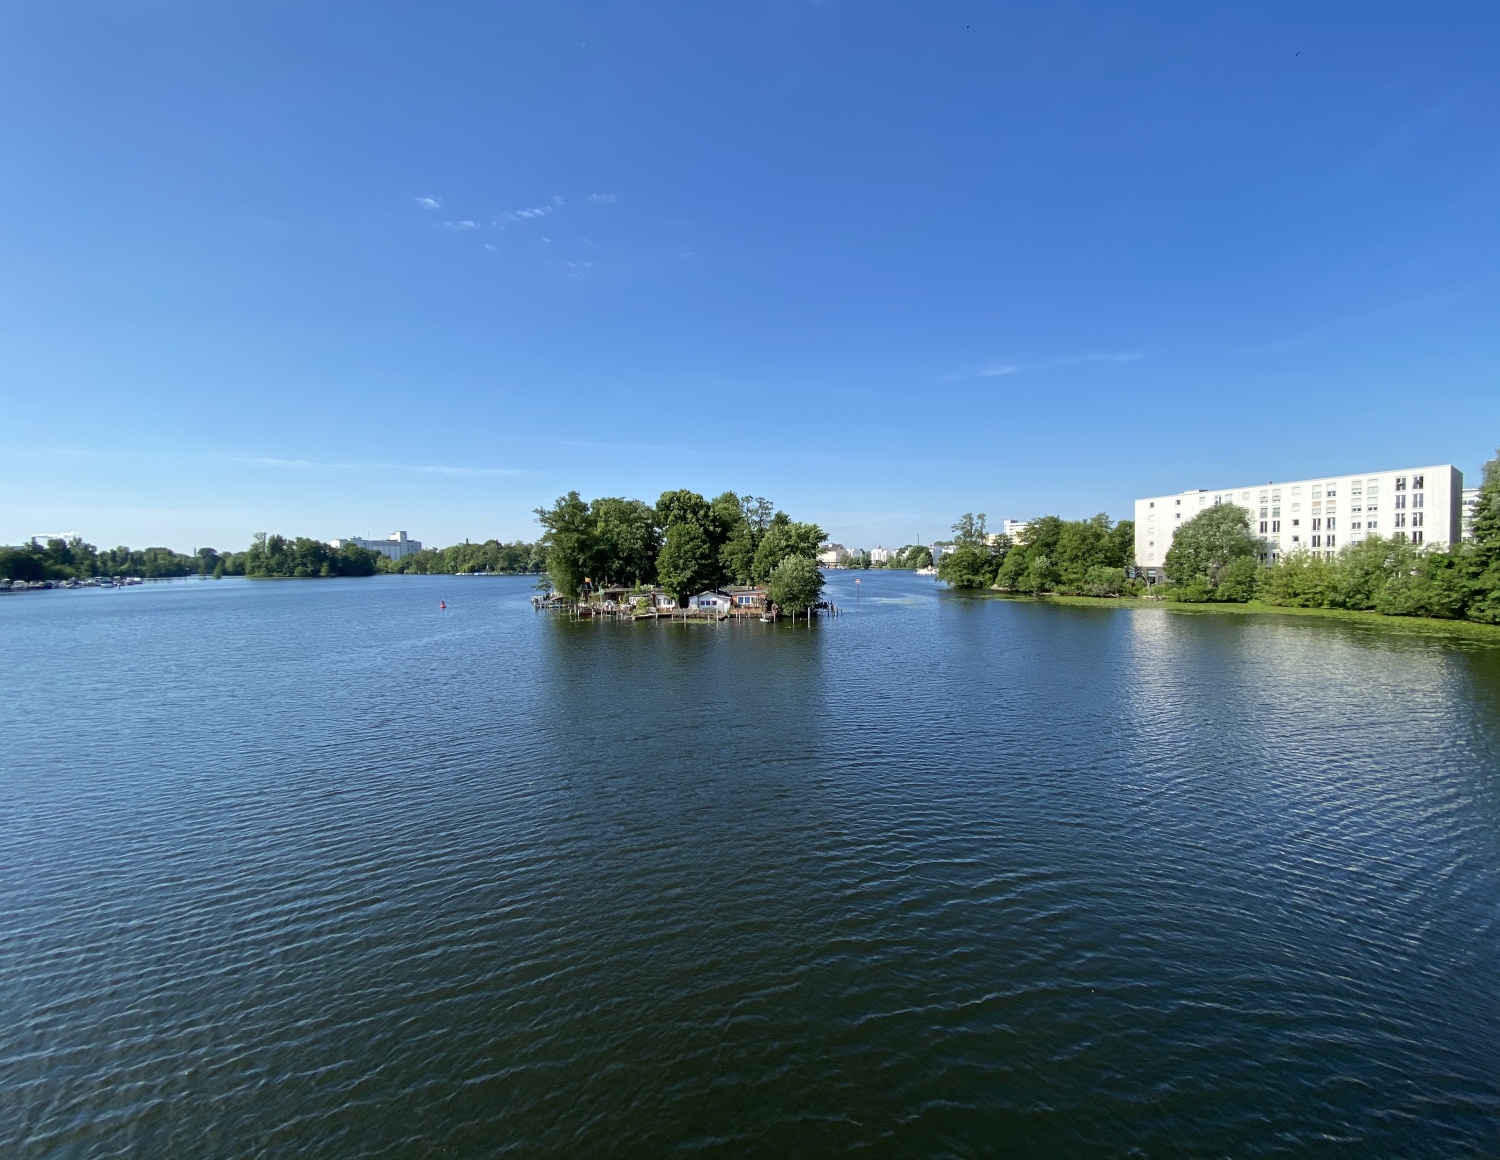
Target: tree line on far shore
269,556
684,544
1065,557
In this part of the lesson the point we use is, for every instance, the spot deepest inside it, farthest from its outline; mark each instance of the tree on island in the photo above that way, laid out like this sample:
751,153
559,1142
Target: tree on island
570,538
795,585
785,537
686,565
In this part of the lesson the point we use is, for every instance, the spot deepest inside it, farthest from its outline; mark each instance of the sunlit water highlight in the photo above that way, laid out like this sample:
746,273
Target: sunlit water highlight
312,869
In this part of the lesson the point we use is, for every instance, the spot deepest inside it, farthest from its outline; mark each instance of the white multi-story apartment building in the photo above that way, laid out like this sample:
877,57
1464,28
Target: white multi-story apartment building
393,547
832,555
879,555
1421,504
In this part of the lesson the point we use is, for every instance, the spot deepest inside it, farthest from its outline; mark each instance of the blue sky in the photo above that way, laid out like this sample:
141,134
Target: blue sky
341,268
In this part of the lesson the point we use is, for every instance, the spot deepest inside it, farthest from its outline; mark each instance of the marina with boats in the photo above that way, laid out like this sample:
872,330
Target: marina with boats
91,582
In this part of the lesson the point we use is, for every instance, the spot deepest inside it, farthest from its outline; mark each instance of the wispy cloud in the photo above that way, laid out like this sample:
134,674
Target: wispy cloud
997,370
429,203
603,198
459,227
557,200
521,215
423,468
1407,307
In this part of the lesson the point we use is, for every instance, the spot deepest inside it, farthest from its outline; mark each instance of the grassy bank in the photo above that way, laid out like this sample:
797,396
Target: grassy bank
1424,626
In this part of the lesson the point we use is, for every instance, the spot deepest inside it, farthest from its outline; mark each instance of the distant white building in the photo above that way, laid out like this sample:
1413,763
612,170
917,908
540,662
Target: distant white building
393,547
1016,530
833,555
1420,504
1471,508
880,555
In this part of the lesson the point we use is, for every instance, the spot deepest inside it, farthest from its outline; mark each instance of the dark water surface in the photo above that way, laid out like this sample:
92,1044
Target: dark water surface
310,869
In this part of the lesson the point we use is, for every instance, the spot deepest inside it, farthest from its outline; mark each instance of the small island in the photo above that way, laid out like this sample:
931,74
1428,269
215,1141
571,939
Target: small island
684,556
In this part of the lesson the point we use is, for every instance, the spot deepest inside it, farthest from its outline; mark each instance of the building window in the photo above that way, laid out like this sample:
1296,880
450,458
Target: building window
1400,501
1151,504
1276,525
1179,503
1416,500
1369,525
1416,483
1401,519
1317,523
1400,483
1296,539
1416,537
1296,523
1332,491
1330,523
1262,527
1317,541
1317,493
1276,496
1416,519
1330,541
1263,513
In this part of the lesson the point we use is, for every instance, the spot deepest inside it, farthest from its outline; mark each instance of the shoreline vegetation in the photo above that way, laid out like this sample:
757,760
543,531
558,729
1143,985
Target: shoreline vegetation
269,557
1215,561
1468,629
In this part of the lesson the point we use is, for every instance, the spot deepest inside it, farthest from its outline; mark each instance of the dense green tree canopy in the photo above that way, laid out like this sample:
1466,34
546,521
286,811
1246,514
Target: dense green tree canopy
276,556
491,556
687,564
1484,566
795,585
569,535
1069,557
782,538
625,541
974,561
73,559
731,539
1206,545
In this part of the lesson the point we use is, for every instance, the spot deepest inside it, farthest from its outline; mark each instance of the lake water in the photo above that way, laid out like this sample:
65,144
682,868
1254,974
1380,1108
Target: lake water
315,869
